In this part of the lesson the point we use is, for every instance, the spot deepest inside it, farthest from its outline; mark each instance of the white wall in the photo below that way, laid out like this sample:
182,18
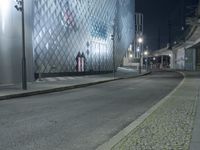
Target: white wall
11,42
180,59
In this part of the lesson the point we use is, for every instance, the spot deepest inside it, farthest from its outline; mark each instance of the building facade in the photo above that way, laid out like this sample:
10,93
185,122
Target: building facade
65,36
11,42
187,59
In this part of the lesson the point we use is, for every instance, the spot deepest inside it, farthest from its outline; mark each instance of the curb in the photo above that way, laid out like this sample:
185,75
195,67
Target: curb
122,134
194,141
64,88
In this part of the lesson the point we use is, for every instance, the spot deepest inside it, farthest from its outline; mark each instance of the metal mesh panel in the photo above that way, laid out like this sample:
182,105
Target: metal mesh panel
63,28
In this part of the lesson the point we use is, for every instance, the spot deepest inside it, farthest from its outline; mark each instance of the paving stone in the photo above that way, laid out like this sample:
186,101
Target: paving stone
169,127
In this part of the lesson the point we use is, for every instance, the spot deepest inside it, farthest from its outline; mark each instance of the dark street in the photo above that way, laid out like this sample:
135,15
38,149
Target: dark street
80,119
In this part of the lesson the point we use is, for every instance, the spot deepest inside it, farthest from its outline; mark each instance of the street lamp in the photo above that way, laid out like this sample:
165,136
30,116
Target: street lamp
146,53
138,49
140,41
20,7
113,39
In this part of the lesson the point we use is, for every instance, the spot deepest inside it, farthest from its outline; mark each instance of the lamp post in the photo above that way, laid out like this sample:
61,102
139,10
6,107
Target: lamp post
113,39
146,53
20,7
170,35
140,41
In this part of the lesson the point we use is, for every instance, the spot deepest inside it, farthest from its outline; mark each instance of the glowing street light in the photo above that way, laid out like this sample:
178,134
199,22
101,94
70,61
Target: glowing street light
146,53
138,49
140,40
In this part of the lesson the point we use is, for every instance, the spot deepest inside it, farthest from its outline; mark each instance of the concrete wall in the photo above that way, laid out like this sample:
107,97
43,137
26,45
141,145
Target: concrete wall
185,59
190,59
180,59
11,42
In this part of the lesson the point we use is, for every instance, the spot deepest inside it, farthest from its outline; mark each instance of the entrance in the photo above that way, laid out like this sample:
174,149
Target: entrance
100,56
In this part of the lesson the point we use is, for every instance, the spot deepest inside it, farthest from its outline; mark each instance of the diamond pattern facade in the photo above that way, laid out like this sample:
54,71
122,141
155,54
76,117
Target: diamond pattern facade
65,29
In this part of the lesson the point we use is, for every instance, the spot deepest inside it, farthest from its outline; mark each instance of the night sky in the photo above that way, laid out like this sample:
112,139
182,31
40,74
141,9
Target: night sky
156,16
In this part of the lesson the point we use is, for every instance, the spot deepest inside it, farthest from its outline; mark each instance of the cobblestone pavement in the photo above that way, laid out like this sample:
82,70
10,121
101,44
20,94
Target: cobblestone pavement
170,126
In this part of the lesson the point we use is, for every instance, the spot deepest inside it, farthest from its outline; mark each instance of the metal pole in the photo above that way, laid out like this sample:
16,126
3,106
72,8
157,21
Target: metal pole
170,34
113,38
140,60
24,76
99,57
113,56
147,63
159,38
162,61
140,65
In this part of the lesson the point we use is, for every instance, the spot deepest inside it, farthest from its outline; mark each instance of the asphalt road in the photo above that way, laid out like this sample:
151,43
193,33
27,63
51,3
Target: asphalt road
80,119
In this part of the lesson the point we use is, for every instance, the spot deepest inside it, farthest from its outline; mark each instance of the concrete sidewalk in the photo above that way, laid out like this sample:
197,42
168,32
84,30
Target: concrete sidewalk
195,142
49,85
173,123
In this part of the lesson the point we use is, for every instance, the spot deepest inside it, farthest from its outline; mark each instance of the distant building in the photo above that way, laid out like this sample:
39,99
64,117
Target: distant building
185,53
139,27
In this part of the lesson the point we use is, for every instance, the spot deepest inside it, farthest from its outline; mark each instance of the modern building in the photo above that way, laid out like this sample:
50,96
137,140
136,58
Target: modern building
64,37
